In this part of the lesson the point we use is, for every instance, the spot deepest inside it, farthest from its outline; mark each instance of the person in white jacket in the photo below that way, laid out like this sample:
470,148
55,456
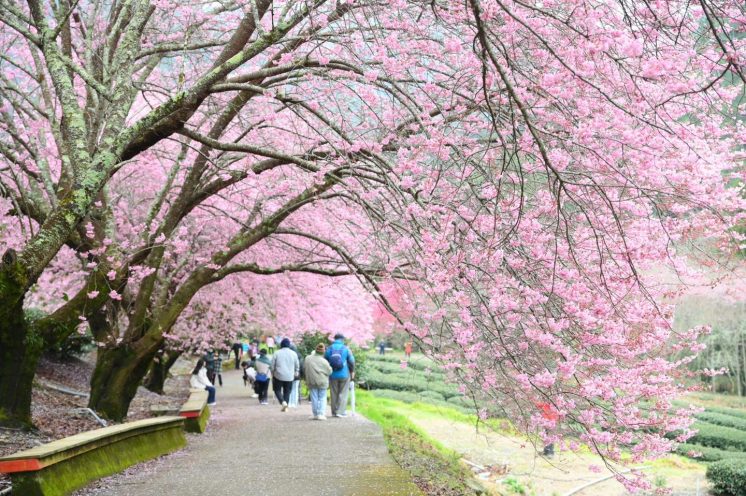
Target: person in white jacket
199,380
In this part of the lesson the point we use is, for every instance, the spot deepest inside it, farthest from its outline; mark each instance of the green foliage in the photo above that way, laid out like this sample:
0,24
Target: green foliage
395,368
722,419
432,395
361,363
73,345
309,340
461,401
728,477
411,398
731,412
408,382
707,454
514,486
417,362
717,436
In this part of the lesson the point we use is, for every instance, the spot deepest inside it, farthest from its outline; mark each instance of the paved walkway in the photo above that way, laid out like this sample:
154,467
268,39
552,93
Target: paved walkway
251,449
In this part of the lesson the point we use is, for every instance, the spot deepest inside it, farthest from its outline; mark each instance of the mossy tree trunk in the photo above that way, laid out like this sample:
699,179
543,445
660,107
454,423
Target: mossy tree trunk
118,373
159,369
19,347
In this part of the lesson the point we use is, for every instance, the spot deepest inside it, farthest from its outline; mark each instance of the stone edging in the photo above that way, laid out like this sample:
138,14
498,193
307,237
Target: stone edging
60,467
195,411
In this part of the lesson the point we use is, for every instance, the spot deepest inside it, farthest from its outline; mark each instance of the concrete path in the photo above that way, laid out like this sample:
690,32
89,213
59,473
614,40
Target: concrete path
251,449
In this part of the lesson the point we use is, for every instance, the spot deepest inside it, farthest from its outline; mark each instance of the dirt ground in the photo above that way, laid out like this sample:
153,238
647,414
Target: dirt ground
556,477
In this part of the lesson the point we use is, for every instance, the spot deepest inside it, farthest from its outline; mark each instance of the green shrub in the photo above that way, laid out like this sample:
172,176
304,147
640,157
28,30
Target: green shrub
708,454
728,477
410,397
423,364
361,363
393,368
75,344
722,419
718,436
732,412
461,401
308,341
432,395
407,382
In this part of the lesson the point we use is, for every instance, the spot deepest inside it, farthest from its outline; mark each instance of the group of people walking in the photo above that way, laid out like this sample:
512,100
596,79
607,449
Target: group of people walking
326,368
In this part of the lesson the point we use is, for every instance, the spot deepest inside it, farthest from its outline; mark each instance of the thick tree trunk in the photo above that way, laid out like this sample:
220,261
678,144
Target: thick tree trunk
20,348
118,373
159,370
19,356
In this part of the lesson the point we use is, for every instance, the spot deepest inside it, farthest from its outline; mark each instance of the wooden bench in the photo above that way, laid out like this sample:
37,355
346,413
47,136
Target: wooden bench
60,467
195,411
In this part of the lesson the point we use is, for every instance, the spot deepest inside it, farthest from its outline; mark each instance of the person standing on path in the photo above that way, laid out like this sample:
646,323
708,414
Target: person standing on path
317,371
263,366
238,352
408,349
382,347
270,342
199,380
342,362
285,368
217,368
209,359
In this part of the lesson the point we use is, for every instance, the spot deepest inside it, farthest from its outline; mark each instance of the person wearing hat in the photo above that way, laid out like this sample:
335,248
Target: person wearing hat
317,371
342,362
285,368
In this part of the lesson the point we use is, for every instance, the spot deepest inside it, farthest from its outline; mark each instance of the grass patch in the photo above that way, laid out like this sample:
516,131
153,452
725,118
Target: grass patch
715,402
435,469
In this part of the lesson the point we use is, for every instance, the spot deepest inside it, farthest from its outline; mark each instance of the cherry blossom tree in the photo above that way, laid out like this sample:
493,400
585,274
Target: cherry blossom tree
524,163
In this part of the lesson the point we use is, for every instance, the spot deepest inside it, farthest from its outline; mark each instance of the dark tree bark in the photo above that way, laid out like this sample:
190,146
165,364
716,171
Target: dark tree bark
159,369
118,373
20,347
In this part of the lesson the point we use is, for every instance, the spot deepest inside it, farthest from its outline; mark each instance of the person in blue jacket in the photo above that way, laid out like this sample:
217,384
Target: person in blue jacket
342,361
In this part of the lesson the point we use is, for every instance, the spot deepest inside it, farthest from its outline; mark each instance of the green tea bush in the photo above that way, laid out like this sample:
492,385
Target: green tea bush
407,382
388,367
432,395
409,397
722,419
732,412
728,477
396,368
461,401
718,436
708,454
416,363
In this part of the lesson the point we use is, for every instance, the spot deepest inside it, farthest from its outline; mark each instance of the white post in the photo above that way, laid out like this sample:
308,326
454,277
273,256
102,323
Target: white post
352,397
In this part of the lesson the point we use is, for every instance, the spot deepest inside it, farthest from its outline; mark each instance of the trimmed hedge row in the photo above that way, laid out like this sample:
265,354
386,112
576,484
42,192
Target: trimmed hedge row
708,454
732,412
722,419
395,368
718,436
407,382
728,477
414,364
409,397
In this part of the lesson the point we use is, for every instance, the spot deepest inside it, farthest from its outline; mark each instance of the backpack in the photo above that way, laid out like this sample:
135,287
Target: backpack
336,360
